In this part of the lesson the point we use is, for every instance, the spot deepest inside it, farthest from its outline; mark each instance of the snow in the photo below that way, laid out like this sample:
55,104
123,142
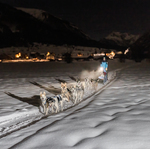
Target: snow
114,117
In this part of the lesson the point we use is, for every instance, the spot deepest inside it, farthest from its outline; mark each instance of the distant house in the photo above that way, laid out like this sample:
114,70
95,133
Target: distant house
37,55
98,55
33,55
78,54
50,56
42,56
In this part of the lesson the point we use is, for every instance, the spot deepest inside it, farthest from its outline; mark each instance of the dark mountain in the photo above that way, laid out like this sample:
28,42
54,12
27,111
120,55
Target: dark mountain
119,40
141,48
54,22
18,28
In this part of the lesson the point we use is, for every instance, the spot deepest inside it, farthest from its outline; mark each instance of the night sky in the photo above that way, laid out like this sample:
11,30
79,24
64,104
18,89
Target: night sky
97,18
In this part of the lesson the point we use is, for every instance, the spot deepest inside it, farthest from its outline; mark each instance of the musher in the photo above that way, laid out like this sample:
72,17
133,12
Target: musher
104,65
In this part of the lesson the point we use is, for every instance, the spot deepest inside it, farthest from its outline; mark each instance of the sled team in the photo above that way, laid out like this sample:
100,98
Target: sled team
74,93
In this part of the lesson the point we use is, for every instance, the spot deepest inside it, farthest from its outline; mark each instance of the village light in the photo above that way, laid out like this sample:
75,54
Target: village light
126,51
50,56
110,55
48,53
99,54
119,52
102,54
79,54
17,56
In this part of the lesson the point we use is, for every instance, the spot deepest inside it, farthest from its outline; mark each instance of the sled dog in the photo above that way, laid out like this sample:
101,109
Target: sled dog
94,83
65,91
43,101
74,93
86,84
80,91
52,102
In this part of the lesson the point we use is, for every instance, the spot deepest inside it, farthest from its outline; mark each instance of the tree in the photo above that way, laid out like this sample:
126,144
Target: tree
67,57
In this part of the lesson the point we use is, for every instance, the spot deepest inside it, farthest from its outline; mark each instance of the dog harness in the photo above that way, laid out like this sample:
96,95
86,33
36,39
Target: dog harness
59,98
50,99
68,90
44,101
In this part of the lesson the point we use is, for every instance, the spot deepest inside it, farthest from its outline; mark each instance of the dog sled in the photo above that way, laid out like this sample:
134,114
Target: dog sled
102,76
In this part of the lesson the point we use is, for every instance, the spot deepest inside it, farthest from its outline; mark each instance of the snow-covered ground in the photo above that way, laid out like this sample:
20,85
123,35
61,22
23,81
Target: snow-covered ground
115,117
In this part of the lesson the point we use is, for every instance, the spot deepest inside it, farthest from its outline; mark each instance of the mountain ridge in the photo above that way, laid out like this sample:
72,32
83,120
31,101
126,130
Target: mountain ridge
18,28
120,39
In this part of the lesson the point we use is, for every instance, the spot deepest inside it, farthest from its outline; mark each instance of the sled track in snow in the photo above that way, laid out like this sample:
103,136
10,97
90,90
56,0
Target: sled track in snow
32,119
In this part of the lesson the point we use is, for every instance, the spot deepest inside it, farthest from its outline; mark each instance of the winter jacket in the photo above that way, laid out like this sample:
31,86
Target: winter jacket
104,65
